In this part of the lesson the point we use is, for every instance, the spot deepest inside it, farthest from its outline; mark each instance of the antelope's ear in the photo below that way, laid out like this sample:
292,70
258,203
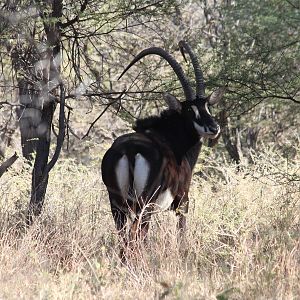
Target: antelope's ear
216,95
172,102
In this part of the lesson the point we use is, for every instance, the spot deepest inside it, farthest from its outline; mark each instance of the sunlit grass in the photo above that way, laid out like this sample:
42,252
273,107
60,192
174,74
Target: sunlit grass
243,237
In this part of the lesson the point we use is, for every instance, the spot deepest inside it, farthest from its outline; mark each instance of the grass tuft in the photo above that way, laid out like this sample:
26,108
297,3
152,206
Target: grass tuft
243,237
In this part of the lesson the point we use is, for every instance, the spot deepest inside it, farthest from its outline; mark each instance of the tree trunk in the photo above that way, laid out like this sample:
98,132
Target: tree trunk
29,115
233,148
39,174
51,79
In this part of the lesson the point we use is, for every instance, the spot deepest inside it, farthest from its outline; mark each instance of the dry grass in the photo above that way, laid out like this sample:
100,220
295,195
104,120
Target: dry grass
243,238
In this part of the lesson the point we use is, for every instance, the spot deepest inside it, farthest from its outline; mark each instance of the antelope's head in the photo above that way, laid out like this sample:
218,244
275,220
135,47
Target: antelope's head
196,112
195,108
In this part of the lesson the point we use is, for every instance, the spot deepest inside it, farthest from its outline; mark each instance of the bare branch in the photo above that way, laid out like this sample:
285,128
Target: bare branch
2,103
76,19
294,5
7,164
102,113
61,131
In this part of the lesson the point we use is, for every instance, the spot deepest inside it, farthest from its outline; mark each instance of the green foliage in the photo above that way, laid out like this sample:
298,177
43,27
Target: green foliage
250,46
259,51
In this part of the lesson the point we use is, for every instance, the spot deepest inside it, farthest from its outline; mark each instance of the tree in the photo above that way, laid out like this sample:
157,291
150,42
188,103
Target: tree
69,53
254,51
49,41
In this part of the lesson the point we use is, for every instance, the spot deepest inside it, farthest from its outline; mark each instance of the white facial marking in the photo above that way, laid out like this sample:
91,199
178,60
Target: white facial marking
122,174
196,111
207,109
140,174
164,200
201,131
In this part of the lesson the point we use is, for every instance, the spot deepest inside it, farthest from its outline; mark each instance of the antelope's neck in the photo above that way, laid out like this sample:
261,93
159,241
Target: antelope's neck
182,140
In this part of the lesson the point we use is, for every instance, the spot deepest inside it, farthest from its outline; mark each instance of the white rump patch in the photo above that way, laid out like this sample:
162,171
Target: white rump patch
196,111
164,200
122,174
140,174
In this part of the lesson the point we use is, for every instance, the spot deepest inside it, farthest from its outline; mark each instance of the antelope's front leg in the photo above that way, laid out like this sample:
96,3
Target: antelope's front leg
181,236
181,223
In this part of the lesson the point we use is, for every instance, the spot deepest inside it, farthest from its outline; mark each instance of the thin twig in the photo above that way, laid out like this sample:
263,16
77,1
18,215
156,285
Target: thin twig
61,131
102,113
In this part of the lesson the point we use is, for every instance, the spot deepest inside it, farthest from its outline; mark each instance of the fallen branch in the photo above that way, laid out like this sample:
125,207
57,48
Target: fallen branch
7,164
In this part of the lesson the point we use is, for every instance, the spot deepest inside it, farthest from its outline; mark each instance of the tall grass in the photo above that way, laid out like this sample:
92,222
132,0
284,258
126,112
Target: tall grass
243,239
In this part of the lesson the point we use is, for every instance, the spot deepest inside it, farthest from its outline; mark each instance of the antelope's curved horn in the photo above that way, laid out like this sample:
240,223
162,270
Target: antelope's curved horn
200,86
188,92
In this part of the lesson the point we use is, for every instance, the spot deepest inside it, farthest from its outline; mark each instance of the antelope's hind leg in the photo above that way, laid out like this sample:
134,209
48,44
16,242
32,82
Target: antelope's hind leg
140,226
138,234
120,220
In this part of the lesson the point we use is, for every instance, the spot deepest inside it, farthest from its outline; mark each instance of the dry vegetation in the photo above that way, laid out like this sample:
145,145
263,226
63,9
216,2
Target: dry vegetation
243,237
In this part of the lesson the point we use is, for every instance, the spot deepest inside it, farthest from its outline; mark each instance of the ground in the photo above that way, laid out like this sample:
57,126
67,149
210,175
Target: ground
243,237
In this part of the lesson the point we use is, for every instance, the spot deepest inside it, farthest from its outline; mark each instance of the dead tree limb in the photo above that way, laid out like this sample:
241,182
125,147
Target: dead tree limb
7,164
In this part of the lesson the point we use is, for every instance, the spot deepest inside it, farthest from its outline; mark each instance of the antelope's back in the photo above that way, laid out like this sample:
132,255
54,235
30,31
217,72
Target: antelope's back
144,165
125,153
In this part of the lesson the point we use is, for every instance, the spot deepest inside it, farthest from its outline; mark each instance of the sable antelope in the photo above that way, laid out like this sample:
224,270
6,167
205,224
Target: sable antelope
151,169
